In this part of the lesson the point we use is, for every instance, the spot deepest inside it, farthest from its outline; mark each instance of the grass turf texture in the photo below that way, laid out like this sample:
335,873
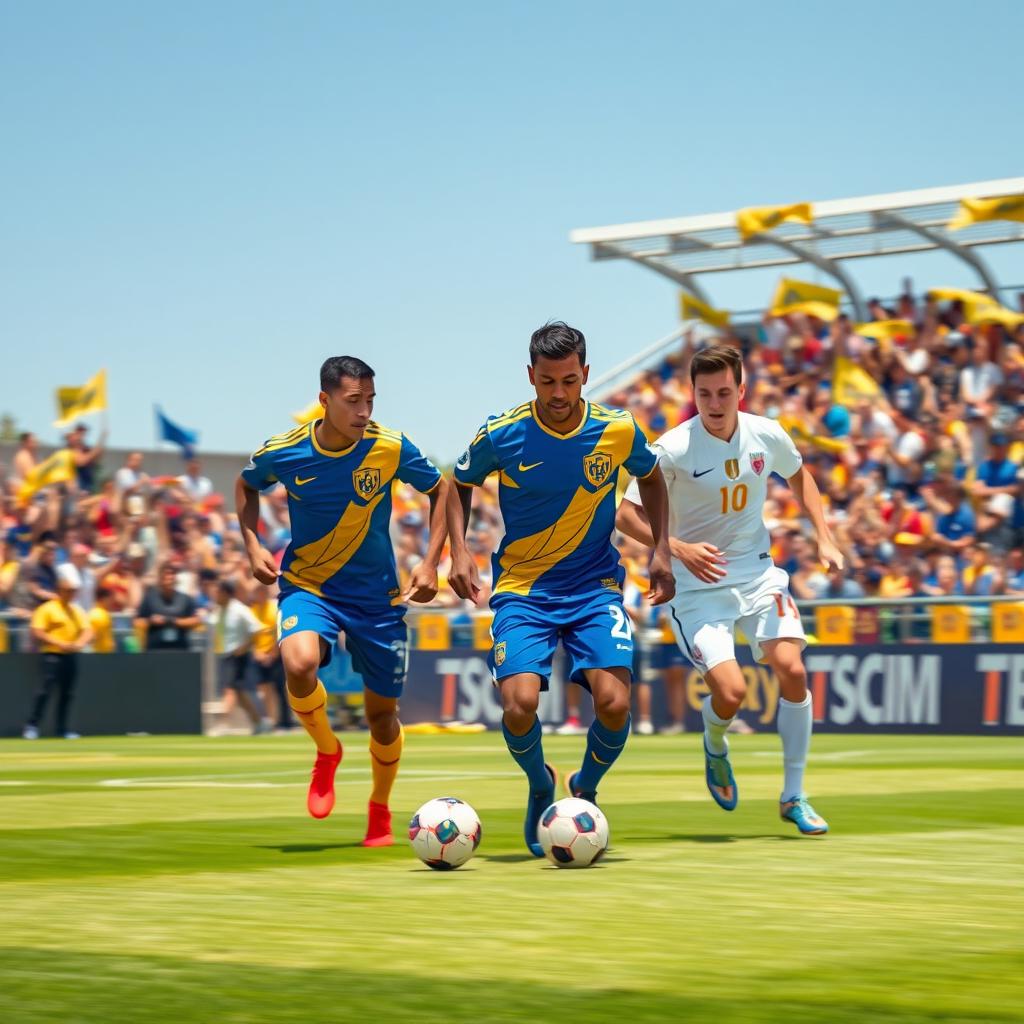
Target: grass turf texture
179,879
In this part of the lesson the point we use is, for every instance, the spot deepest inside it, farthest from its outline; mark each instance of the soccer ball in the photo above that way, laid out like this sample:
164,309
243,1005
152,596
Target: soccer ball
573,833
445,833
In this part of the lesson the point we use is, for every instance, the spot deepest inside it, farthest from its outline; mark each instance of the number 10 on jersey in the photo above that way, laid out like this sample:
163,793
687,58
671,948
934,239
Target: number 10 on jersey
734,498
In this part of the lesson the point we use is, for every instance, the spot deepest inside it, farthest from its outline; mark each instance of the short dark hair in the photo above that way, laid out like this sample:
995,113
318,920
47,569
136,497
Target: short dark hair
557,340
228,586
337,367
714,360
24,436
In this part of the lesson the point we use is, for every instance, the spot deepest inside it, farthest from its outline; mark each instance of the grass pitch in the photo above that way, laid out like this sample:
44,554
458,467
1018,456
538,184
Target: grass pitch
179,879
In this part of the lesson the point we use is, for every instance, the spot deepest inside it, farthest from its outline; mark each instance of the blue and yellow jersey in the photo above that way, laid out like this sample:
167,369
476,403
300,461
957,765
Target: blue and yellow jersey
339,504
557,497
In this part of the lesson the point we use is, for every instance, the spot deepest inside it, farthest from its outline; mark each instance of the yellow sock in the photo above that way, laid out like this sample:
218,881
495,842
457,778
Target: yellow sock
384,758
312,713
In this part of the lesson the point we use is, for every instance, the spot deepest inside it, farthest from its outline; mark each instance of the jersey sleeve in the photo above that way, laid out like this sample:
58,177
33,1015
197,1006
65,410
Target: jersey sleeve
664,461
641,459
416,469
259,473
786,460
478,461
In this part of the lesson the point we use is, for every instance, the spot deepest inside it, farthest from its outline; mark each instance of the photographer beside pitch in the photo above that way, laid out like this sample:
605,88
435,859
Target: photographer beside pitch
716,466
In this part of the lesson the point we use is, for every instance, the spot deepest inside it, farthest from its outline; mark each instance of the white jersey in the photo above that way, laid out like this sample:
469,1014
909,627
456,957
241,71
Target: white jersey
717,492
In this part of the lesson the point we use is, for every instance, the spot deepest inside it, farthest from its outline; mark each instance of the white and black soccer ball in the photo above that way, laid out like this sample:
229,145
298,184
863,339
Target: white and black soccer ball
445,833
573,833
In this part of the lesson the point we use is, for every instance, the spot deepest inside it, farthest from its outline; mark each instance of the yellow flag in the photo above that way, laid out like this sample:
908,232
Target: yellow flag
979,308
996,314
801,297
310,413
756,219
973,211
886,330
55,469
798,429
693,309
75,402
851,383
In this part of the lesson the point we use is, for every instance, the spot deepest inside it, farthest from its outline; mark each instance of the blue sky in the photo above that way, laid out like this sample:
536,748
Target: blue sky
208,199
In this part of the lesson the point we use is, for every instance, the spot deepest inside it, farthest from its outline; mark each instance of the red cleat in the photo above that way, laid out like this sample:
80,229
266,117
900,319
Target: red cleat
320,801
378,826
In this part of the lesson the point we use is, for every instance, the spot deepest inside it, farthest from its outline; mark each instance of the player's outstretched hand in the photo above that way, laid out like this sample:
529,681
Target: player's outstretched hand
704,560
422,584
830,554
263,566
663,583
464,578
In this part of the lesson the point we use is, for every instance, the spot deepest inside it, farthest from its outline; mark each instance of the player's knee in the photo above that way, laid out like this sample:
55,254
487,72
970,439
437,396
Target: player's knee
612,708
520,711
731,696
383,724
301,669
792,678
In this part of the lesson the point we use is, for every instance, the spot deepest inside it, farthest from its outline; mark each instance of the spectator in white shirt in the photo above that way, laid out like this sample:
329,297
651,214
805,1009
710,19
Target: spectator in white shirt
193,483
979,379
234,626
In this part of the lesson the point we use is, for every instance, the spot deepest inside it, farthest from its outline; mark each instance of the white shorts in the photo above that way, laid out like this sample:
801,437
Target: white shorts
703,620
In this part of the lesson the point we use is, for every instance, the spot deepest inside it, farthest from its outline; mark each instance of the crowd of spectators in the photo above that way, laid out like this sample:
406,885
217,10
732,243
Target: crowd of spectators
923,483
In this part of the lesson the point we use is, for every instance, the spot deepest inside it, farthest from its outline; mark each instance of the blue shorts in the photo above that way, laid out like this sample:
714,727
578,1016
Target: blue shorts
377,641
594,630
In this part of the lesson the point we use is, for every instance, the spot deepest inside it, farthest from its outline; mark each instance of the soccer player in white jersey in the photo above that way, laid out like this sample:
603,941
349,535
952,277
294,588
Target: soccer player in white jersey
716,466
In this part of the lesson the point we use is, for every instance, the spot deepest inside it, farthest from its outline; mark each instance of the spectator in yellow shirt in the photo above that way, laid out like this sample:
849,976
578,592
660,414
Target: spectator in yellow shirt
61,629
102,624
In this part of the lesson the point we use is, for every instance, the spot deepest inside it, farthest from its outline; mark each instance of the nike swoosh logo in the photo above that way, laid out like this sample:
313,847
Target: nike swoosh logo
532,465
299,481
696,474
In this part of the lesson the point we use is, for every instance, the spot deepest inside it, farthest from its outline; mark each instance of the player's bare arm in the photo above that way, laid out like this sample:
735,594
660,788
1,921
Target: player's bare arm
705,561
654,496
423,579
464,576
247,508
806,492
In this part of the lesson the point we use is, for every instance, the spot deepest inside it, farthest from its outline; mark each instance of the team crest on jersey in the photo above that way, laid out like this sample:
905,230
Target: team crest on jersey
292,620
758,462
499,654
366,482
732,468
597,467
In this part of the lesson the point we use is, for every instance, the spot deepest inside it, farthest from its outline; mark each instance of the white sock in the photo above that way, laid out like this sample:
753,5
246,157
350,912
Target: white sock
714,728
795,722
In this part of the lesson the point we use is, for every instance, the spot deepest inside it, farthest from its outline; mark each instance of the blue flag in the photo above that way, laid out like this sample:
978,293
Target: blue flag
168,431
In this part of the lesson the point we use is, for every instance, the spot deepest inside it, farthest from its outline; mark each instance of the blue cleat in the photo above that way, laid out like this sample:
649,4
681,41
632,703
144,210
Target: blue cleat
535,807
804,816
573,790
720,780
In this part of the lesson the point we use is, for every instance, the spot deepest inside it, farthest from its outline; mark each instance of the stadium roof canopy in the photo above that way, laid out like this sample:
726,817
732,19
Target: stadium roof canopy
681,248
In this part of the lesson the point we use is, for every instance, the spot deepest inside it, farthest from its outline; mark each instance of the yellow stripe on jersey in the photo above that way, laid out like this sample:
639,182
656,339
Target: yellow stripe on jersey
318,561
505,479
286,440
374,429
617,440
520,412
530,557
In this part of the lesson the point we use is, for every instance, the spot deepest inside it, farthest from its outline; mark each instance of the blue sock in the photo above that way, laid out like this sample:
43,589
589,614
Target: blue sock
603,748
528,752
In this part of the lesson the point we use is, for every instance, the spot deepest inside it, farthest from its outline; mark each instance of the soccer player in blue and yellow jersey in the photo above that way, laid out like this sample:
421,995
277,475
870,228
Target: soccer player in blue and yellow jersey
338,574
556,574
